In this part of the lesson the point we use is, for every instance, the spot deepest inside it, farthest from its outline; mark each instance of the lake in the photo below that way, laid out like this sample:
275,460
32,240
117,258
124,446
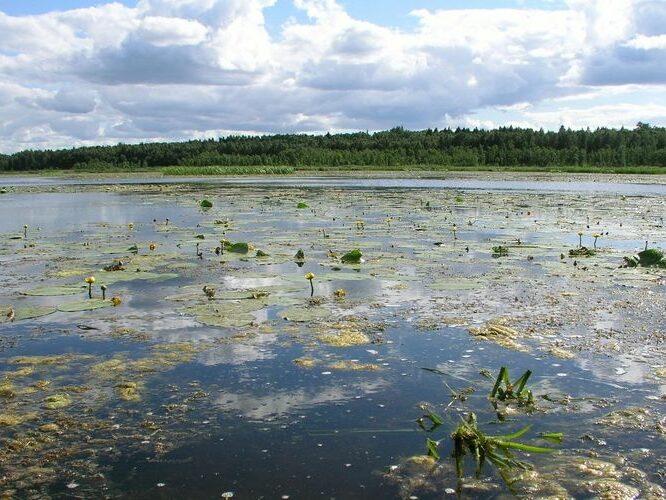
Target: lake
210,366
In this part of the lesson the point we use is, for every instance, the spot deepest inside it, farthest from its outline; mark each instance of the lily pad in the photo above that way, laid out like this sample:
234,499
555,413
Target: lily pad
353,257
27,312
84,305
55,290
303,314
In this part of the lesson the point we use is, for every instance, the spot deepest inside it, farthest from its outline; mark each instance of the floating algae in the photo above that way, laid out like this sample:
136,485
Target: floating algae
11,420
128,391
345,337
354,366
57,401
496,331
631,418
56,359
305,362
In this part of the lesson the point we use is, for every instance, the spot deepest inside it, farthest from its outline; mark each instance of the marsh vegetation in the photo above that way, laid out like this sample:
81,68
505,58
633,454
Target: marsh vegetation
250,347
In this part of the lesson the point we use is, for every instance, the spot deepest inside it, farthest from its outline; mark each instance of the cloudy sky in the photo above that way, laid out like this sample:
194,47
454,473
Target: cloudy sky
76,72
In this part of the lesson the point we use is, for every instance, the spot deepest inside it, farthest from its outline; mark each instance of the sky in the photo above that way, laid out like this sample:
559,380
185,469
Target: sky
82,72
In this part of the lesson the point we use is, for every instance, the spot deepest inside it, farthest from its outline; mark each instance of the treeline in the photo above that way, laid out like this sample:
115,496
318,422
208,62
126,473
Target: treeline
504,147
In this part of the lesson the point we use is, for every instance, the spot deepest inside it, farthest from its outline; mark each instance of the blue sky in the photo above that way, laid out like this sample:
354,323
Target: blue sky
176,69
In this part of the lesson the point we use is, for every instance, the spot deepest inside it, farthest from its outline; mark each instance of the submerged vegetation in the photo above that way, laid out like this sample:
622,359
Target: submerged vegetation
641,150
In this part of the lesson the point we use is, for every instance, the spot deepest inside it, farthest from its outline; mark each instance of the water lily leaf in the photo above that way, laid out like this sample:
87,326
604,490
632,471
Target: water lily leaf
128,275
303,314
26,312
206,204
55,290
84,305
240,247
353,257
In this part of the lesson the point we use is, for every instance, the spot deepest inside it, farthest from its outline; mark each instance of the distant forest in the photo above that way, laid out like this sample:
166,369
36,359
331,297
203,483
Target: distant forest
645,145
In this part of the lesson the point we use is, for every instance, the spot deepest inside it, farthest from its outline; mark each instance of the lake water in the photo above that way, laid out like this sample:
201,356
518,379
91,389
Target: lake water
258,390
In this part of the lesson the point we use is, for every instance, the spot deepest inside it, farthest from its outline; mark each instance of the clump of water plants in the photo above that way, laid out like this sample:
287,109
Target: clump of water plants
500,251
206,204
235,247
353,257
650,257
302,205
468,438
582,252
505,390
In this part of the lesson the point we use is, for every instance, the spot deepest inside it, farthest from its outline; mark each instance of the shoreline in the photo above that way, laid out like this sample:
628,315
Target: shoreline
620,178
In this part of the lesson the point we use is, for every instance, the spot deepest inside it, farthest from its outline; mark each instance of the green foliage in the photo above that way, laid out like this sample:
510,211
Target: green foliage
302,205
651,257
468,438
641,150
582,252
500,251
353,257
505,390
206,204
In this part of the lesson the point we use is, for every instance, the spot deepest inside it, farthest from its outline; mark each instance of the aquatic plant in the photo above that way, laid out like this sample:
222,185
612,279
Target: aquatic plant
206,204
300,258
152,247
505,390
209,291
25,231
650,257
580,239
90,280
11,315
310,277
116,301
340,293
582,252
353,257
500,251
468,438
103,288
302,205
595,236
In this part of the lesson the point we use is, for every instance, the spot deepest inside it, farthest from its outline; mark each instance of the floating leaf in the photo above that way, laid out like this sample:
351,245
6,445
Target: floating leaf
26,312
302,314
302,205
53,291
206,204
353,257
84,305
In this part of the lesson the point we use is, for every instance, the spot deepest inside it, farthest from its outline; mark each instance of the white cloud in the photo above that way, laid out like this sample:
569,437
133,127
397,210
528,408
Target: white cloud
170,69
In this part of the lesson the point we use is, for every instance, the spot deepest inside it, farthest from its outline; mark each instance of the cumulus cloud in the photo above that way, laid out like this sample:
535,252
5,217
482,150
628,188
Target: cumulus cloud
176,69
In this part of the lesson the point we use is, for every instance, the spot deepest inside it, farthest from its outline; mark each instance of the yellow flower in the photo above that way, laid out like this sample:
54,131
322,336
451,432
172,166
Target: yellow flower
152,246
116,301
596,235
580,233
309,276
340,293
90,280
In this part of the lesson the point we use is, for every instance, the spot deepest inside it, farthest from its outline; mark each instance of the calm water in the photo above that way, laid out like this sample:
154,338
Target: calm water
228,410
